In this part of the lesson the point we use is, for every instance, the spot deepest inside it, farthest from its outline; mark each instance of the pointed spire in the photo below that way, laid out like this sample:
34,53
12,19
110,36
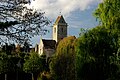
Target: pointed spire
60,19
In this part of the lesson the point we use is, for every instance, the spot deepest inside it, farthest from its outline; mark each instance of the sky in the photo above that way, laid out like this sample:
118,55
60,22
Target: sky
77,13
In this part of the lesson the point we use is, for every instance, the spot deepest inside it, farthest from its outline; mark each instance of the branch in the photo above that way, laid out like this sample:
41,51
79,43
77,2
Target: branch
18,23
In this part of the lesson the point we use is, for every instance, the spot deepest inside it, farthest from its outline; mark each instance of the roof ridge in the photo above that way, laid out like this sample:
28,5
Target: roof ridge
48,39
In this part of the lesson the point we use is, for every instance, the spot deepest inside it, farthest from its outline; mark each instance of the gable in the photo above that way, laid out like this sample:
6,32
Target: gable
60,19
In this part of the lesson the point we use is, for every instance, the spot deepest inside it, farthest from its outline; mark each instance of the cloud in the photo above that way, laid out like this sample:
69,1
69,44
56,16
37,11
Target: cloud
74,12
53,8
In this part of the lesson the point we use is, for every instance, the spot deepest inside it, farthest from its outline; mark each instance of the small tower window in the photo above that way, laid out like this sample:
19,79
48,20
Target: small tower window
62,30
54,30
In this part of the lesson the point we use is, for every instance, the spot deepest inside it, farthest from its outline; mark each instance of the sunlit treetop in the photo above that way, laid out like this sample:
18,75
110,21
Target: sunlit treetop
108,13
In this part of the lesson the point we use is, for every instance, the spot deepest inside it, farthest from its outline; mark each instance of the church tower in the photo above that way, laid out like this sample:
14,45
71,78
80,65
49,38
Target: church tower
59,29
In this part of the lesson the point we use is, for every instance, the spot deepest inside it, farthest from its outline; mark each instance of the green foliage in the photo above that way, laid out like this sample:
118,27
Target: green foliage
8,49
33,64
82,31
45,76
10,62
98,41
62,65
108,13
66,46
6,63
94,51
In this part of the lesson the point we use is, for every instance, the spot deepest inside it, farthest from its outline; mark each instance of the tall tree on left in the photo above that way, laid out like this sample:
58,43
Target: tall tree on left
18,22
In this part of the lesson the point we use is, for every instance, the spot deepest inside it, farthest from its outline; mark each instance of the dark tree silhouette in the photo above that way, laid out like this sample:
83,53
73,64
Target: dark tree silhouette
18,22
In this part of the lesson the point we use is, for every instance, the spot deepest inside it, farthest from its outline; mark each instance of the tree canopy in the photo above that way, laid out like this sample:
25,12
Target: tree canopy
108,13
97,52
65,59
6,63
66,46
98,49
18,22
35,64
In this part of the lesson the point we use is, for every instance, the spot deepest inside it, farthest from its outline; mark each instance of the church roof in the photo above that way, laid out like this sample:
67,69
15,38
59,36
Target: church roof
49,43
60,19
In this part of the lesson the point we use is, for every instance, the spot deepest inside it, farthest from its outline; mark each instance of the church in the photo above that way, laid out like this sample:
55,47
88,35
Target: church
48,47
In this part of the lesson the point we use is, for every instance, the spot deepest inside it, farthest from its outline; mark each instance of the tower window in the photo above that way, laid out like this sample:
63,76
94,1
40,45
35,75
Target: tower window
54,30
62,30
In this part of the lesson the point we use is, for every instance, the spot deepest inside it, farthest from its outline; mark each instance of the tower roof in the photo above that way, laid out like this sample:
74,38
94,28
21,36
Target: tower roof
60,19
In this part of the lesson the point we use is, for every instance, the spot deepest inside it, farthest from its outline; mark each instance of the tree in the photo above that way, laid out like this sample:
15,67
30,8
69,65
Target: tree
6,63
26,47
18,22
108,13
8,49
94,51
66,45
11,64
65,59
34,65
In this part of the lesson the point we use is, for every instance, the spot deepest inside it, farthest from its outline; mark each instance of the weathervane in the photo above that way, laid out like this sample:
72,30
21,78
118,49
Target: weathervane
60,13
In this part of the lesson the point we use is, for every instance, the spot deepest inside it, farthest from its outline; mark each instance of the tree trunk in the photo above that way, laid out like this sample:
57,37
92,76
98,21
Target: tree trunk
35,76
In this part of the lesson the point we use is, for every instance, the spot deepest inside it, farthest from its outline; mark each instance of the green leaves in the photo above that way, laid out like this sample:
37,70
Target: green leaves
66,45
62,65
108,13
34,64
95,52
6,64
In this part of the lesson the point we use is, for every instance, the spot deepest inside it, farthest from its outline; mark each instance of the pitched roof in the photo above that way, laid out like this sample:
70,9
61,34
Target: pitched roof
60,19
49,43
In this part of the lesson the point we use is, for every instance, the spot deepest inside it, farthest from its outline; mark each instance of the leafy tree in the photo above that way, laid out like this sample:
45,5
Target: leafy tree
62,65
11,64
34,65
66,46
26,47
18,22
8,49
108,13
6,63
94,51
6,66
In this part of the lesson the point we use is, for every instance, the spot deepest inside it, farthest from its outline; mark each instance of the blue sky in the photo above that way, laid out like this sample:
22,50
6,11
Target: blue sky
77,13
